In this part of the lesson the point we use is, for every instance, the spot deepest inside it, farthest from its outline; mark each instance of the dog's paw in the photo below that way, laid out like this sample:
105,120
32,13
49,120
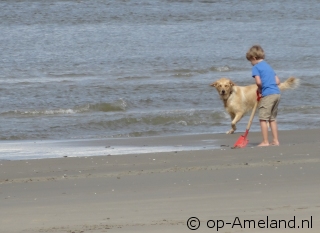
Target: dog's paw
231,131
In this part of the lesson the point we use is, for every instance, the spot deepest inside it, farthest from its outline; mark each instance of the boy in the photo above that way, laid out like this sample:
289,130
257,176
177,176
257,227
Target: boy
267,82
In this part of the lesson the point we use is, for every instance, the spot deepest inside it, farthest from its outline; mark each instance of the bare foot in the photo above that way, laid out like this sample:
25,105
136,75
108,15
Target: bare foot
275,144
263,144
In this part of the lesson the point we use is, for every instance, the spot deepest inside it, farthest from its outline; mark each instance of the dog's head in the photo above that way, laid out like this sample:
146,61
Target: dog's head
224,87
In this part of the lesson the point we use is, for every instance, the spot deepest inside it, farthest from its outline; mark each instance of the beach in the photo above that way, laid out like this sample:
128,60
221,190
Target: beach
108,122
159,192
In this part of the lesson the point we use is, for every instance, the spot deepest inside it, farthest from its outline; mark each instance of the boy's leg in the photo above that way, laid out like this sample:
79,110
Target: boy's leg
268,107
274,130
264,131
264,113
273,122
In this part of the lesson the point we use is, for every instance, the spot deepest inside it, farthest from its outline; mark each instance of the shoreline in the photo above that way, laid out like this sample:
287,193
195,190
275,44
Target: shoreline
159,192
43,149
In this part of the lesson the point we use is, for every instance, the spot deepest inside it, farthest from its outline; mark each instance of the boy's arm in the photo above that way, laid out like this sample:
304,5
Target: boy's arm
258,82
277,80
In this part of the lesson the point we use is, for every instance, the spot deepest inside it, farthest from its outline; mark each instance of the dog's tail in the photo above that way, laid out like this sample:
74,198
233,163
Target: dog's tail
290,83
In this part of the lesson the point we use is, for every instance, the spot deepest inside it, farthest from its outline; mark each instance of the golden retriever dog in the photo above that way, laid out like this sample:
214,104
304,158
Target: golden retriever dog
238,100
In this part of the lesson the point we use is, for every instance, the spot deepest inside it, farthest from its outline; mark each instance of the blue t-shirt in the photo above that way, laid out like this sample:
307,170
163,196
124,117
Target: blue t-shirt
267,76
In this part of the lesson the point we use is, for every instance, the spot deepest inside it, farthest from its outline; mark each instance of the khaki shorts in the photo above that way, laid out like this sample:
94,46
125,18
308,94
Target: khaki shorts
268,107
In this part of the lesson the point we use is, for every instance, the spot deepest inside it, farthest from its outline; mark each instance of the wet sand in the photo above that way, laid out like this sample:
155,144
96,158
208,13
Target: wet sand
159,192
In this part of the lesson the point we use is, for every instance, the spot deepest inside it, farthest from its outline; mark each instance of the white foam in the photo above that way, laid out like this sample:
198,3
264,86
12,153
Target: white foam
55,149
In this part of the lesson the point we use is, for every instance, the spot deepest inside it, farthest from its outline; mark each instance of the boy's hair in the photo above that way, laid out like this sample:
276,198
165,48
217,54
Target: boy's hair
256,52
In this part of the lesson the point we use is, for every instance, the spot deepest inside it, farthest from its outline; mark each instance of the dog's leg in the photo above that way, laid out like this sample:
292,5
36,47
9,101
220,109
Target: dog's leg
234,121
232,115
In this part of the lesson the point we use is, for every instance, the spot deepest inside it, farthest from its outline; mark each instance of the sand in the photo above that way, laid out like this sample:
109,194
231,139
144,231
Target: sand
159,192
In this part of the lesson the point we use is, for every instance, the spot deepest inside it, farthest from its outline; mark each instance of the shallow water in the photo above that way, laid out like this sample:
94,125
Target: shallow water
97,69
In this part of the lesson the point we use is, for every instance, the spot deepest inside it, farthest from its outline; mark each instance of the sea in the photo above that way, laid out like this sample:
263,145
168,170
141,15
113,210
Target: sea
105,69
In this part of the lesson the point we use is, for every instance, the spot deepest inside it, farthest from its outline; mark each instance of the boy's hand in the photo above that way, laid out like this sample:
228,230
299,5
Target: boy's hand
258,94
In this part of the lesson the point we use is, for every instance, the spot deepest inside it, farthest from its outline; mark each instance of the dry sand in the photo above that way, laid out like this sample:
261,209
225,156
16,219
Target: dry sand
159,192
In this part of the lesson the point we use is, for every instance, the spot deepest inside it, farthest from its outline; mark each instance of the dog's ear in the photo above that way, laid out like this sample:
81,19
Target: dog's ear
213,84
232,83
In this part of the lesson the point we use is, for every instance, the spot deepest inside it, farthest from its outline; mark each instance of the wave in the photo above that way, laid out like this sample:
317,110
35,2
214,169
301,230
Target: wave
220,68
155,123
132,124
161,118
139,123
186,72
133,77
71,74
304,109
117,106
